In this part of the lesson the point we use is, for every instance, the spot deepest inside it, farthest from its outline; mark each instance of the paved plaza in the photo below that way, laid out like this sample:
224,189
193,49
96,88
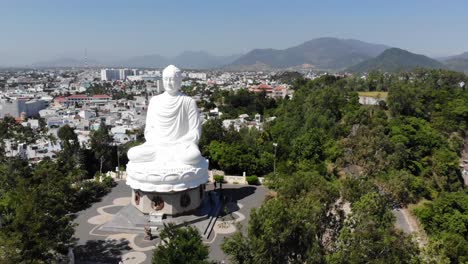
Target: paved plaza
98,246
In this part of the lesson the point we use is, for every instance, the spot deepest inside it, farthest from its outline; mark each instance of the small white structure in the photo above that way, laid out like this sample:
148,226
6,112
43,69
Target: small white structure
367,100
156,217
87,114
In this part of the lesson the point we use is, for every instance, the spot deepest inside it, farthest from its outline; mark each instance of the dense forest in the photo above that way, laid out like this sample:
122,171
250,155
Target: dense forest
332,150
38,201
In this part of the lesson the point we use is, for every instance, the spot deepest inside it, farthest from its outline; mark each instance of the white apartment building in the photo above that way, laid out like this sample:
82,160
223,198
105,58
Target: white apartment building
197,75
117,74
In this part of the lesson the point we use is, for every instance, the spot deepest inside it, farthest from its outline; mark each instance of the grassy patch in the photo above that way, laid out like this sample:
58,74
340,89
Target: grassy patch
381,95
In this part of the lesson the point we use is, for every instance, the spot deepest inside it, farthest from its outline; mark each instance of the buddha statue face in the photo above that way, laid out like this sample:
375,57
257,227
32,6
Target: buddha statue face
172,79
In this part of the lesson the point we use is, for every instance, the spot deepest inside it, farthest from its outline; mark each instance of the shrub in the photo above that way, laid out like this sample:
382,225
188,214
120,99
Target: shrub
108,182
252,180
218,178
183,245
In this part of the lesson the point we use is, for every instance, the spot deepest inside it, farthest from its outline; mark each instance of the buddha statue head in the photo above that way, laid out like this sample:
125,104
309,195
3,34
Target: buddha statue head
172,79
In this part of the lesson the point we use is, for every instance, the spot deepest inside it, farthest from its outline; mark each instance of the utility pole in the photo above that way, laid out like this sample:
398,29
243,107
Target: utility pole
118,157
274,161
102,160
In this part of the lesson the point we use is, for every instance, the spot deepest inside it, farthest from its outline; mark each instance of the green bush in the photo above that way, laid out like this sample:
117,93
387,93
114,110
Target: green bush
252,180
88,192
218,178
108,182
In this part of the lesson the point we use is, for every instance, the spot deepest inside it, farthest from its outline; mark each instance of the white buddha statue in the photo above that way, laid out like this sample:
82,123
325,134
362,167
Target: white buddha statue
170,153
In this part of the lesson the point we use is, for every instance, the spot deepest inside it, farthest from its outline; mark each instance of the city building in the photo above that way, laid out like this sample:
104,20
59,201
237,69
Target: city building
197,75
117,74
280,91
262,88
16,107
110,74
81,98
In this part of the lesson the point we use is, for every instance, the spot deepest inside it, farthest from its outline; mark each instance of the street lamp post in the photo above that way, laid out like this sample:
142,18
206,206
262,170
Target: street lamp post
118,158
274,161
100,168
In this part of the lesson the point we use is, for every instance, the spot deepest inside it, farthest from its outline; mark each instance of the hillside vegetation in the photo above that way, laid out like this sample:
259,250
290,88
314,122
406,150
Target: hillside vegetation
394,59
331,150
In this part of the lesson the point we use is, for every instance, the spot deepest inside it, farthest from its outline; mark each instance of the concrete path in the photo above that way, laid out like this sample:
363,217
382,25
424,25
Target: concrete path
97,246
408,223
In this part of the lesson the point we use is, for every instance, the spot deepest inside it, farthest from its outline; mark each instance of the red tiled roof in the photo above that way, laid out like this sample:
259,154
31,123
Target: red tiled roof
77,96
60,99
280,88
103,96
264,86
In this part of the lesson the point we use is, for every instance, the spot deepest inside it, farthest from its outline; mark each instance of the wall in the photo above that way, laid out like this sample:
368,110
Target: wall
230,179
14,108
172,201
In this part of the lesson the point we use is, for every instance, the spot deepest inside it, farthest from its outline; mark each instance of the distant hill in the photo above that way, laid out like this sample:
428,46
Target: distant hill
145,61
65,63
459,56
458,62
201,60
321,53
394,59
186,60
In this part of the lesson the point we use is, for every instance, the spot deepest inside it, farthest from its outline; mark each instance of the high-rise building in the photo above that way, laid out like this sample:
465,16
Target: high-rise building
124,73
117,74
110,74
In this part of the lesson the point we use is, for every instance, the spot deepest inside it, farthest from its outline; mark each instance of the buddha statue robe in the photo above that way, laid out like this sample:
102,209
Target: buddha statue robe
172,131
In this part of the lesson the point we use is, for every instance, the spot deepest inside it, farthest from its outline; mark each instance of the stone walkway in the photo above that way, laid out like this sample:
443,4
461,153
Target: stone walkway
97,246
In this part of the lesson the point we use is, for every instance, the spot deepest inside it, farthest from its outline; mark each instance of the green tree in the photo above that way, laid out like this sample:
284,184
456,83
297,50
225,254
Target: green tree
368,236
211,130
67,134
36,225
69,157
303,204
100,142
180,245
446,221
239,248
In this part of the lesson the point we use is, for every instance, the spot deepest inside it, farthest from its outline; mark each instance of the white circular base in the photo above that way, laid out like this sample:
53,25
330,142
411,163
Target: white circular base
166,177
170,203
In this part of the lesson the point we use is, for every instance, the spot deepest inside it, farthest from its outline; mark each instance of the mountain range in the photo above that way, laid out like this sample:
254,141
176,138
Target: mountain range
395,59
457,63
186,60
321,53
330,54
66,62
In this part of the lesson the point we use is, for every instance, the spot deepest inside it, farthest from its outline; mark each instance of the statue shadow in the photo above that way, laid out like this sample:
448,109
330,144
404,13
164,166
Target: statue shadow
236,194
101,251
230,196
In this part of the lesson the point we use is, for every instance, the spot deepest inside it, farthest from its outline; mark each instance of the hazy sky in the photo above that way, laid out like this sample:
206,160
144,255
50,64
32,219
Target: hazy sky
33,30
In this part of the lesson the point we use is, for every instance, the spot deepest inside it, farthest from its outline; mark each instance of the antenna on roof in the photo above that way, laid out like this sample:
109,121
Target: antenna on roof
86,58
